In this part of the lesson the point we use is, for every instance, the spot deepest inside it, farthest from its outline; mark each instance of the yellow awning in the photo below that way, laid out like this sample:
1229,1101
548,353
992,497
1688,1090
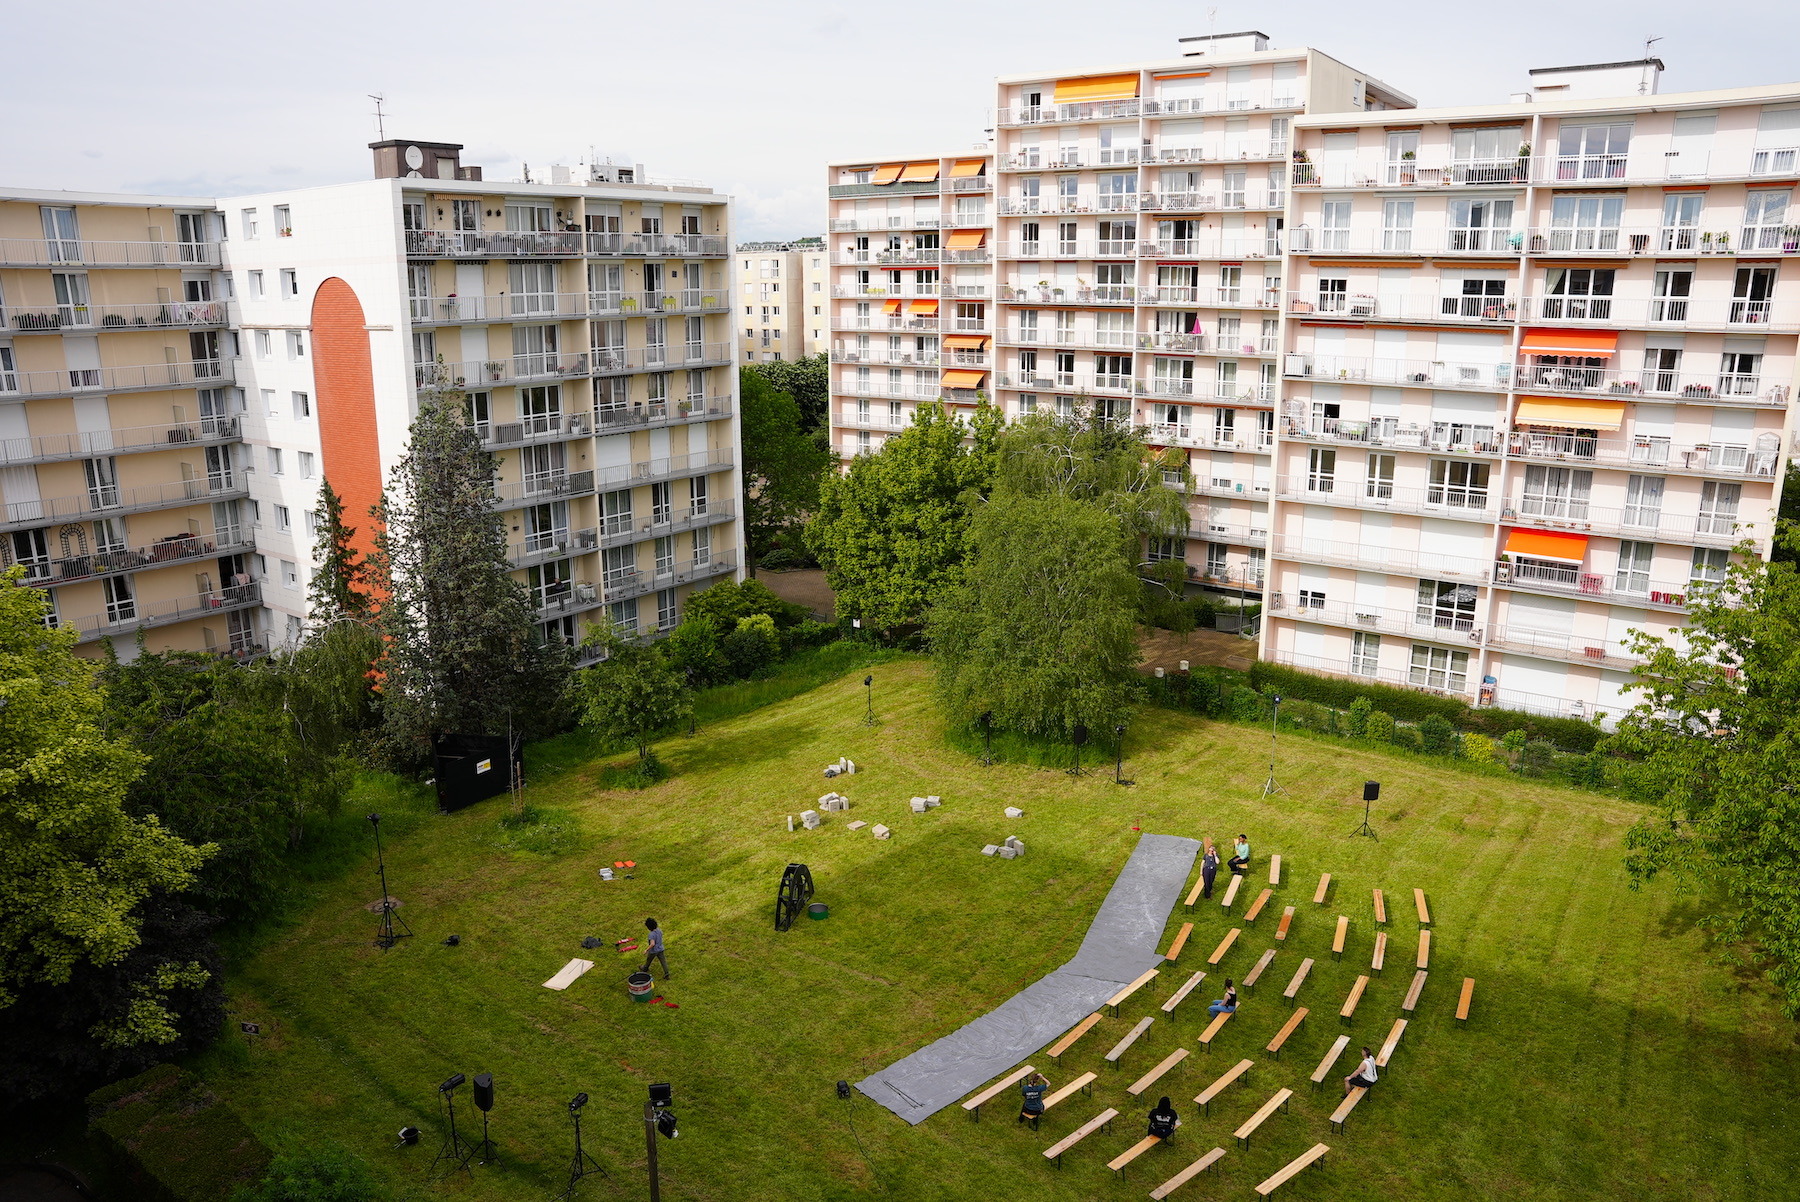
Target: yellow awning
919,173
966,342
887,174
1582,415
963,168
926,307
966,239
964,379
1097,87
892,306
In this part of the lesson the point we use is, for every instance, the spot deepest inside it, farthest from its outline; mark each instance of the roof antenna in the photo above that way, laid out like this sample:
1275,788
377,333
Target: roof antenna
380,118
1212,24
1644,83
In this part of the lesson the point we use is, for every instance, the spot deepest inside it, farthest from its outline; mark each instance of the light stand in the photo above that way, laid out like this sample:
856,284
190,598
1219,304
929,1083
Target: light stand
987,739
691,717
454,1148
1119,761
387,937
1078,736
1371,791
582,1164
869,697
1270,788
657,1118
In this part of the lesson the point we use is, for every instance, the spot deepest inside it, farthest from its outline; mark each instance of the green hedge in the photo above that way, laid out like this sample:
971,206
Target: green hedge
171,1140
1403,704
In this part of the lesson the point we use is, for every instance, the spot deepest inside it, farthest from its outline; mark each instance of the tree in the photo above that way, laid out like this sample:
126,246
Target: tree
727,603
1712,744
1041,632
782,464
1088,457
75,866
463,653
633,693
808,381
892,532
339,589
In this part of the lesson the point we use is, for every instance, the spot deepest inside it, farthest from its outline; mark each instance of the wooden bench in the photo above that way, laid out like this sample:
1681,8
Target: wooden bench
1131,1037
1324,884
1256,907
1424,949
1287,920
1212,1028
1081,1028
1337,940
1117,1164
1281,1177
973,1105
1055,1151
1380,956
1356,992
1231,891
1346,1106
1268,958
1148,1079
1083,1084
1380,909
1174,952
1412,995
1225,945
1274,870
1324,1069
1112,1003
1393,1041
1424,910
1278,1102
1180,995
1293,988
1287,1029
1462,1003
1186,1175
1194,893
1205,1097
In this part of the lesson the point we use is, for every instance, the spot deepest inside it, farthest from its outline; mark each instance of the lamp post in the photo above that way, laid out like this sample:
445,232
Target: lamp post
869,699
1270,788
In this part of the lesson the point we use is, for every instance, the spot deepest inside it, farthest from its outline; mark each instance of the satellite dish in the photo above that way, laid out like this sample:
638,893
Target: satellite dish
414,175
415,158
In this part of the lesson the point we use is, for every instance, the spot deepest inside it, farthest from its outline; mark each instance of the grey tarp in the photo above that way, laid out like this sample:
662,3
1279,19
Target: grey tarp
1121,944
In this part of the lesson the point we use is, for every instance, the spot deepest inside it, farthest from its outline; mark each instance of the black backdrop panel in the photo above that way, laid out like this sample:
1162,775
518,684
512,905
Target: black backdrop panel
470,768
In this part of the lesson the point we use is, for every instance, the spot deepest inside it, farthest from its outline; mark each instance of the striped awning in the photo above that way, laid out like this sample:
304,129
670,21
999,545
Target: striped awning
1547,544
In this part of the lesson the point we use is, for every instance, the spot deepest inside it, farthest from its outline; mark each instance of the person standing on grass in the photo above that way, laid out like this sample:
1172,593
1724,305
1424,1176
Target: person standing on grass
1240,863
1033,1089
654,945
1209,868
1163,1120
1364,1076
1226,1004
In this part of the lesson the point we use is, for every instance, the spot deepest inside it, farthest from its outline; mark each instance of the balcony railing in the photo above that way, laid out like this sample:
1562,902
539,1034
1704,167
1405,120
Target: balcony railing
1234,100
1450,628
1756,316
889,323
173,549
546,306
537,428
1639,522
1215,150
1449,501
1182,434
530,244
141,615
1486,377
649,415
1716,388
694,463
205,373
1757,460
1575,581
1459,309
1649,163
81,252
1462,439
1385,559
880,354
552,544
112,501
614,360
1099,294
49,448
881,388
907,221
169,315
634,582
543,487
859,418
514,369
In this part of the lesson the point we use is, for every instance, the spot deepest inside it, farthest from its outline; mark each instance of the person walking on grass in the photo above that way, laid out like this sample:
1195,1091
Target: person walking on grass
1209,868
1240,863
654,946
1033,1089
1226,1004
1364,1076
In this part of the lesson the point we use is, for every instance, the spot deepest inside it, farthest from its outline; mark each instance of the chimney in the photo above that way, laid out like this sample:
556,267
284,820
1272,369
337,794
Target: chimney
399,158
1218,45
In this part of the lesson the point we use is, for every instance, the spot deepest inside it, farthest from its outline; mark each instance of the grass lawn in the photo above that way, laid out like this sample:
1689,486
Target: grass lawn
1606,1058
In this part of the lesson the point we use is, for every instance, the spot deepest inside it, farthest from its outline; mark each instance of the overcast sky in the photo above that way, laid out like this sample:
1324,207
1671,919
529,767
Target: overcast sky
753,99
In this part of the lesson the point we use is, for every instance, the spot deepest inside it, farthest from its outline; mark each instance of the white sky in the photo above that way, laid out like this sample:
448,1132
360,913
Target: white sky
752,99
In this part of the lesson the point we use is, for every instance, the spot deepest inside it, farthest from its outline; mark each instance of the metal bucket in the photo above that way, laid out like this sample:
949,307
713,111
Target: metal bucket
818,911
638,984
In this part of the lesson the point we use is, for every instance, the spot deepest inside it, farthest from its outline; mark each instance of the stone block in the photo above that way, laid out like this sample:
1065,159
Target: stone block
1007,853
856,826
1018,848
811,819
831,771
1014,812
934,800
790,822
880,831
850,767
919,806
1012,841
989,850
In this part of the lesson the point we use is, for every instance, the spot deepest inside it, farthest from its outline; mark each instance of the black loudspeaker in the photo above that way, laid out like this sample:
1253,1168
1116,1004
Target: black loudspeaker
484,1091
1371,790
1080,736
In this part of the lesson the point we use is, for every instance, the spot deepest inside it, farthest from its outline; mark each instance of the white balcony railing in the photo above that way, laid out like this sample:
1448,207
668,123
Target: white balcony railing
204,373
168,315
113,501
1389,307
1486,377
49,448
82,252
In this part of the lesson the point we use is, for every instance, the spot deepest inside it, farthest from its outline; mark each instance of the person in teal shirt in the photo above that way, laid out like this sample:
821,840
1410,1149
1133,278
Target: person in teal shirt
1241,861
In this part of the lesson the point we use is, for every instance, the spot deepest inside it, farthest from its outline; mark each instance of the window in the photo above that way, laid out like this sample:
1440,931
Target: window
1365,653
1578,293
120,605
1481,224
1487,156
1718,507
1739,372
268,402
250,224
283,521
1586,222
1445,605
264,345
296,344
464,215
526,217
275,461
1334,225
290,574
1558,492
1396,224
1321,469
1312,599
667,617
1681,220
1458,484
254,286
290,283
1709,565
1670,292
1751,291
1378,483
1217,564
1765,220
1634,567
1439,668
1643,501
306,465
1592,151
302,405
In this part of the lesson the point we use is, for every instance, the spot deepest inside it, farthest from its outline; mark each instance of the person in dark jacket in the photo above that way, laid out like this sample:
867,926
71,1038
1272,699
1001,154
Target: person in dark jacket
1163,1120
1209,868
1033,1089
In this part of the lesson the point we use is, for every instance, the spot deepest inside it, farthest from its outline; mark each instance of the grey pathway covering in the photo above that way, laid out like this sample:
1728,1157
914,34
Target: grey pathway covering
1120,945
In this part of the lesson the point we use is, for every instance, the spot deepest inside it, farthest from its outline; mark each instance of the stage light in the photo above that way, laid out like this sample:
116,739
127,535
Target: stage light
662,1095
577,1102
843,1090
455,1080
408,1137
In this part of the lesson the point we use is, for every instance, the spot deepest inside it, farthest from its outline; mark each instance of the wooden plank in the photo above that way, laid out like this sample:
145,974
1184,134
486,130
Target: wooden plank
1212,1028
1186,1175
1187,928
1380,956
1269,1107
1356,992
1081,1028
1462,1003
1148,1079
1393,1041
1168,1007
1424,949
1078,1083
1205,1096
1225,945
1131,1037
1380,908
1287,920
1132,1153
1130,989
1324,1069
1231,891
1324,884
1299,976
991,1091
1268,958
1080,1133
1287,1029
1275,870
1412,995
1194,893
1337,940
1346,1106
1256,907
1424,910
1281,1176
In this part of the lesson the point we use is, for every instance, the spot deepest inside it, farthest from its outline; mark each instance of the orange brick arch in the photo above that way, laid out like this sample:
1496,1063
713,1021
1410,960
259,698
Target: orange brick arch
344,380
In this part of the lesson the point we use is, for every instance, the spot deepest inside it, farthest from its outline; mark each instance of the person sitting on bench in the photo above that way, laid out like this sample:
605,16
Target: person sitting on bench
1364,1076
1033,1088
1163,1120
1241,861
1226,1004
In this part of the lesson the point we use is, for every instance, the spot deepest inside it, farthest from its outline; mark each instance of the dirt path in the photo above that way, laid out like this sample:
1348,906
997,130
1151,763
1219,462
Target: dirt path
803,586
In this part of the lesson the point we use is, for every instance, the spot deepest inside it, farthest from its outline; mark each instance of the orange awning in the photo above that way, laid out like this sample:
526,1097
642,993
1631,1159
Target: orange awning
1581,415
892,306
919,173
926,307
963,168
1547,544
966,239
887,174
964,379
1097,87
1579,344
966,342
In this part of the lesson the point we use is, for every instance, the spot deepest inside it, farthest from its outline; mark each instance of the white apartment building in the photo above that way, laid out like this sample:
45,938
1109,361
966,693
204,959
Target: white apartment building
782,300
588,320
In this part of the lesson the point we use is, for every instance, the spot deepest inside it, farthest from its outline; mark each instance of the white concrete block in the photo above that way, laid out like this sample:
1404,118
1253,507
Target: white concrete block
811,819
934,799
790,822
1011,841
1018,849
856,826
1014,812
919,806
880,831
1007,853
850,767
989,850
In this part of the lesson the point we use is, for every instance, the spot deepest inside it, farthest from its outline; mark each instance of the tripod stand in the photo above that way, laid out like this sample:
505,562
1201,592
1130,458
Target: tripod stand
582,1164
455,1148
1270,788
1371,790
387,936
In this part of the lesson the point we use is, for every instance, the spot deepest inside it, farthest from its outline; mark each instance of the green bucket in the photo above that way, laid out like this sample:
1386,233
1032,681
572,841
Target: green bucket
818,911
638,983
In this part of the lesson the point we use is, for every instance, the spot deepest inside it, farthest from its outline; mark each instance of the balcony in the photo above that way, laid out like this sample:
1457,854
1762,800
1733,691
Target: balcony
548,486
616,360
881,388
1457,310
515,369
675,467
877,292
1401,561
1183,434
1062,114
1234,100
144,615
910,188
969,183
657,414
1665,312
911,221
174,549
1252,196
552,544
1266,246
1651,453
1381,496
622,530
558,244
923,257
885,323
1716,388
1103,294
1181,296
1446,436
79,252
630,582
534,429
1640,523
856,417
203,373
1123,340
1392,677
1557,580
169,315
56,448
1433,171
1681,241
559,306
882,355
112,501
1235,150
1450,628
1426,373
1482,242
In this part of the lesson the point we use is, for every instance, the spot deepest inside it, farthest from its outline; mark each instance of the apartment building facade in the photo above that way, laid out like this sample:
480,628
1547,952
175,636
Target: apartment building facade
782,299
588,321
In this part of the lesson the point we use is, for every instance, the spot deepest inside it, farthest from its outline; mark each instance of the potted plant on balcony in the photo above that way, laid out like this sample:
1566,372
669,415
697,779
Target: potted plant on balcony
1790,238
493,368
1522,169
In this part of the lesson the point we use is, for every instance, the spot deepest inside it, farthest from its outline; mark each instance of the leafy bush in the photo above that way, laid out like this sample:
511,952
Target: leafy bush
1380,727
693,647
1341,694
1537,757
1479,749
1437,735
1569,734
322,1175
1407,737
1247,705
1513,741
638,773
807,634
780,559
1310,716
753,646
728,603
1356,725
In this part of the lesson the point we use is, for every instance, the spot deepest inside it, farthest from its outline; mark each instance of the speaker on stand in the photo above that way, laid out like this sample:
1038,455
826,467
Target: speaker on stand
1371,794
1078,737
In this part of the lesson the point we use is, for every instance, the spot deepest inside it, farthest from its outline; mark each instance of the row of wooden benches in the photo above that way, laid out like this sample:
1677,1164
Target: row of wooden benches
1338,939
1250,915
